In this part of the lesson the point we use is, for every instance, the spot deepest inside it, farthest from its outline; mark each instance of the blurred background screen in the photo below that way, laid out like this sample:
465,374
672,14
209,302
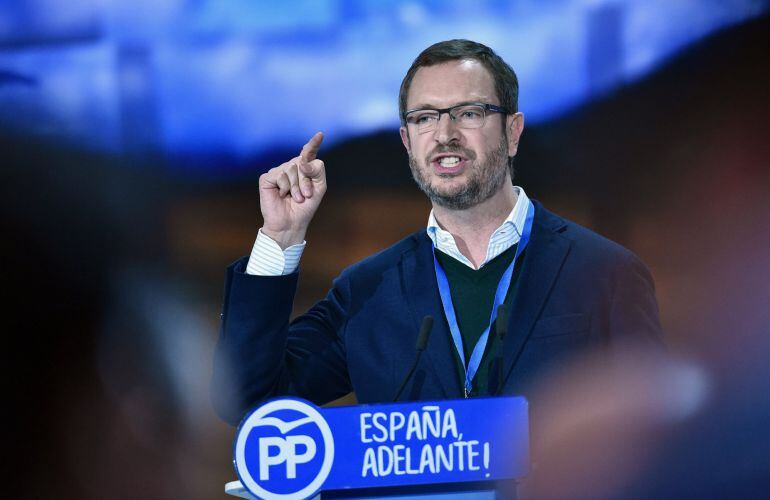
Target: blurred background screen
235,79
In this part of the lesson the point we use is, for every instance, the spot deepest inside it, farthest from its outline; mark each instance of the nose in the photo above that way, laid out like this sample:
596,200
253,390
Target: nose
446,130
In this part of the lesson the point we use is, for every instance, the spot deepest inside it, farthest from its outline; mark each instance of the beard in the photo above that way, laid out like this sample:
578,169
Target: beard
483,179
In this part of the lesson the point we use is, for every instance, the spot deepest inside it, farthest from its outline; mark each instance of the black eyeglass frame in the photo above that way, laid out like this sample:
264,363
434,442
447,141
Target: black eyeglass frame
486,106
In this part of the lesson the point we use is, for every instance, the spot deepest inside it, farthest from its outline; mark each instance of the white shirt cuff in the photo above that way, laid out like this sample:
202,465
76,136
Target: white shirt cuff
267,258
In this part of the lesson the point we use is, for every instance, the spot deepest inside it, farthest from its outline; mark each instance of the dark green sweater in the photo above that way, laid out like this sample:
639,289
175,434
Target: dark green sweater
473,295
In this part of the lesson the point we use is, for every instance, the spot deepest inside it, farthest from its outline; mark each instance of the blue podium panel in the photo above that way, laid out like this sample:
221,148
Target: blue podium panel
289,448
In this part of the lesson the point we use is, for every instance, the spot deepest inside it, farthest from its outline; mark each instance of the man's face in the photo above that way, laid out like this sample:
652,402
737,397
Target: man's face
459,168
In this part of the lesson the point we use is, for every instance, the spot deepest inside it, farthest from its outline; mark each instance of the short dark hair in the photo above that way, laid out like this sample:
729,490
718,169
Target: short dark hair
506,83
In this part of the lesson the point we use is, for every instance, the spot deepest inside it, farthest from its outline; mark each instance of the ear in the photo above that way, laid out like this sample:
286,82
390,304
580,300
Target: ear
514,126
405,139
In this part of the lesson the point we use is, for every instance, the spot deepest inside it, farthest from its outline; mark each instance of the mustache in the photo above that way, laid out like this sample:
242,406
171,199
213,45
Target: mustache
469,154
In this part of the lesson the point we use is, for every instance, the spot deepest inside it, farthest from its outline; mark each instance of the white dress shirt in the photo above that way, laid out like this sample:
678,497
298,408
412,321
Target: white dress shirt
267,258
503,238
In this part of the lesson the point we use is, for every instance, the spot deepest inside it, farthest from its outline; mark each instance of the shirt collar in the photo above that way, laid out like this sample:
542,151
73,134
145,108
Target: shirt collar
504,237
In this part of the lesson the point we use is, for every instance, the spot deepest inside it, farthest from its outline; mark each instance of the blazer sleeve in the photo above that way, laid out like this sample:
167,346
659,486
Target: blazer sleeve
634,316
260,354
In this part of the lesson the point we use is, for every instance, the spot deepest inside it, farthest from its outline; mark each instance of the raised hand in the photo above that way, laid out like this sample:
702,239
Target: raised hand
290,193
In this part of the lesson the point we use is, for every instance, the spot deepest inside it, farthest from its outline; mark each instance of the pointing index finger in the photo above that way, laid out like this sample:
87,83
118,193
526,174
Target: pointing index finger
310,150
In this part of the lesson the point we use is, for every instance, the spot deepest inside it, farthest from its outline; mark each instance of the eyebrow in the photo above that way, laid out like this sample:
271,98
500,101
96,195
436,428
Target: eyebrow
430,106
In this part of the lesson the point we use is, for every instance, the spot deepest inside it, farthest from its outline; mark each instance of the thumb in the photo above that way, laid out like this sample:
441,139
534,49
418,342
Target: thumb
312,169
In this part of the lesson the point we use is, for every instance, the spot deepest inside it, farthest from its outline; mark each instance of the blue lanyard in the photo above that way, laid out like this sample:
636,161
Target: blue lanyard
502,291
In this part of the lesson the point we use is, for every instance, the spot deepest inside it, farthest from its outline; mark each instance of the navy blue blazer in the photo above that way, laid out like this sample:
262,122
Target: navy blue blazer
577,290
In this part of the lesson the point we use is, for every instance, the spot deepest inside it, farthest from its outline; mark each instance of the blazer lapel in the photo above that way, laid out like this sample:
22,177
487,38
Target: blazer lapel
421,291
543,259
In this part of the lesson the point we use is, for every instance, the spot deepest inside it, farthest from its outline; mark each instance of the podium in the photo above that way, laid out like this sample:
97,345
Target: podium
466,448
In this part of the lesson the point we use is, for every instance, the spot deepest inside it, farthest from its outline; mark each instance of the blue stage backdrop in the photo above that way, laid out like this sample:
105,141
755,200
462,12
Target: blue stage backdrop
235,79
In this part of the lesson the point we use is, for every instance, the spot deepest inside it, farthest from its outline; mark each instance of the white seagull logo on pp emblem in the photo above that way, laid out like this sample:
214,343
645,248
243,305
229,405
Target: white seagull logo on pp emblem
284,427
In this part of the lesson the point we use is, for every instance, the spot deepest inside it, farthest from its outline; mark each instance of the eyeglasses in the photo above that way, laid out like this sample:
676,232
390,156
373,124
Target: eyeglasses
469,115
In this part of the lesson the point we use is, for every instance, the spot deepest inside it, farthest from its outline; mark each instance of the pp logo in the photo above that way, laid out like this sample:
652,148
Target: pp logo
284,449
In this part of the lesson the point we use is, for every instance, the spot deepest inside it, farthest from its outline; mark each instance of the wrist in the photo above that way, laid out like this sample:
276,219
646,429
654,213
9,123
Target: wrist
285,238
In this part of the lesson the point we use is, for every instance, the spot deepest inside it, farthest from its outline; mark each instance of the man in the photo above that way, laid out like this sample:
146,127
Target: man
567,289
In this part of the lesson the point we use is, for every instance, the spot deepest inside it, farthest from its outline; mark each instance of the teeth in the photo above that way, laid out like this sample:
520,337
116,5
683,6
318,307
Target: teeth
449,161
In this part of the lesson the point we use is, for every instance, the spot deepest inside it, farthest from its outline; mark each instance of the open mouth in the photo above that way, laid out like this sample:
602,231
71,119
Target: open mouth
448,163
